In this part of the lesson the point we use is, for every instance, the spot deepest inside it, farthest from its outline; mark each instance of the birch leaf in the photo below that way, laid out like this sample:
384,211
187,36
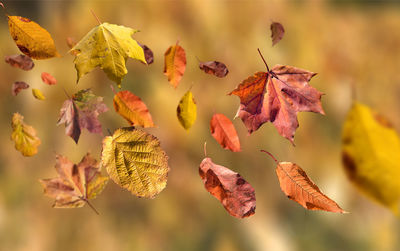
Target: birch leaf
24,136
187,110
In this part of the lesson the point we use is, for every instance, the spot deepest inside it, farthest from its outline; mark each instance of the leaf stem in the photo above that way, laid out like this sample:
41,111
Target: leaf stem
113,90
265,62
205,149
66,93
2,5
91,206
272,156
109,131
98,20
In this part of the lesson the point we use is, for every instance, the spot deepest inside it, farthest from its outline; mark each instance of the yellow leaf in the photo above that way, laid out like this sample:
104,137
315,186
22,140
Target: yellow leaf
135,161
371,155
187,111
24,136
38,94
31,38
107,46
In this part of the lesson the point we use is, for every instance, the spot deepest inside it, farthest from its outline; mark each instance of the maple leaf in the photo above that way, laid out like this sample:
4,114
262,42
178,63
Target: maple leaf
135,161
215,68
236,195
224,132
24,136
187,110
277,32
107,46
277,96
76,183
22,62
48,79
17,87
81,111
174,64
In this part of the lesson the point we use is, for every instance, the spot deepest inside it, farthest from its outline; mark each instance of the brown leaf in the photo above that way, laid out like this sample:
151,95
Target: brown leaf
224,132
48,79
175,64
215,68
17,87
277,32
22,62
236,195
148,54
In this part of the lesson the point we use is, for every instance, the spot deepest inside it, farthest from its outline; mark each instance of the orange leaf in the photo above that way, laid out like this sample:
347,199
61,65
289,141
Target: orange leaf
224,132
48,79
175,64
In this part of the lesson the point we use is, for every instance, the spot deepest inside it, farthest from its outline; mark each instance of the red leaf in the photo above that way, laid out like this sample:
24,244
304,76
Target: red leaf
236,195
215,68
22,62
277,32
224,132
18,86
48,79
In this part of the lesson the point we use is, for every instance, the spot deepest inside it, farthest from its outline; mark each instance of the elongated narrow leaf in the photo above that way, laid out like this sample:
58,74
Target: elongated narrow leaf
187,110
224,132
22,62
24,136
175,64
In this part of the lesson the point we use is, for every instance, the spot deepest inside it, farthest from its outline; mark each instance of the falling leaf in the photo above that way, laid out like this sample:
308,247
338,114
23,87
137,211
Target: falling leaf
22,62
148,54
107,46
215,68
224,132
24,136
76,183
48,79
81,111
370,154
277,96
17,87
187,111
277,32
71,42
38,94
236,195
135,161
296,185
175,64
31,38
132,108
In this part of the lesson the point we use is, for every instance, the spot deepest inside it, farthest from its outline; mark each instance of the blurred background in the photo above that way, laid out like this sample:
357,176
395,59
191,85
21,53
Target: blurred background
348,43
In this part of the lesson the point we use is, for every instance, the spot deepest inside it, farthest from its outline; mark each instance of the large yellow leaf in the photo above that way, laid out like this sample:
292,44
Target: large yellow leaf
107,46
31,38
135,161
24,136
371,155
187,111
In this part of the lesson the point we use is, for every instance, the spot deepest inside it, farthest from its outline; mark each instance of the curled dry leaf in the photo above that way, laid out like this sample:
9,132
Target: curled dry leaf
38,94
24,136
22,62
277,32
236,195
187,110
135,161
224,132
132,108
371,155
175,64
17,87
148,53
48,79
215,68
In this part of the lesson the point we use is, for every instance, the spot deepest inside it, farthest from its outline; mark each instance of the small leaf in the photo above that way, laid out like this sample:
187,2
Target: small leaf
132,108
224,132
135,161
175,64
215,68
277,32
236,195
17,87
187,111
24,136
22,62
148,54
71,42
38,94
48,79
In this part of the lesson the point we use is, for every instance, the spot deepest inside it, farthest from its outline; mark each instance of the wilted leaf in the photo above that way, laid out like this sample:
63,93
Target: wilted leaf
31,38
224,132
132,108
48,79
277,32
24,136
371,155
76,183
236,195
17,87
174,64
107,46
187,111
135,161
215,68
38,94
148,54
22,62
81,111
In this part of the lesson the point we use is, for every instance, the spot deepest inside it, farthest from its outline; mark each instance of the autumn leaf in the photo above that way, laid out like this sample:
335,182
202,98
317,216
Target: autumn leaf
187,111
174,64
31,38
224,132
81,111
236,195
277,96
76,183
132,108
215,68
107,46
17,87
71,42
135,161
24,136
296,185
277,32
370,154
38,94
22,62
148,54
48,79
